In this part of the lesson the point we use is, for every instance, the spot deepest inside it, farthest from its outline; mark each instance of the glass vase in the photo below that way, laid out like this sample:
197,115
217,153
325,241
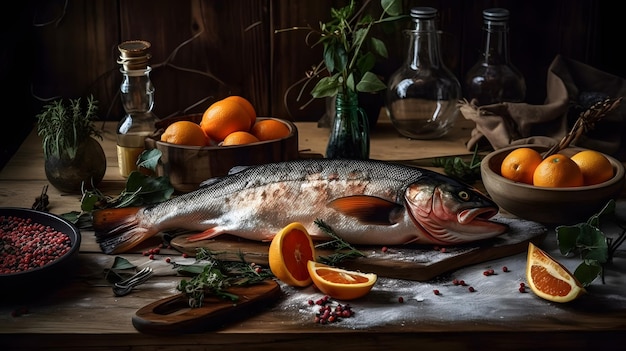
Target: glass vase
349,131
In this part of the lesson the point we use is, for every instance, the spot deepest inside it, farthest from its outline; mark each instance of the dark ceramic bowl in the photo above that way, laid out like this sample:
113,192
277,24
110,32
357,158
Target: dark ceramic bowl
549,206
41,278
188,166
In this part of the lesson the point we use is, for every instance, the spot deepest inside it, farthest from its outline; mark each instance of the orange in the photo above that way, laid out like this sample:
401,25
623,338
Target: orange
558,171
239,138
185,133
224,117
519,165
290,250
339,283
246,104
595,166
270,129
549,279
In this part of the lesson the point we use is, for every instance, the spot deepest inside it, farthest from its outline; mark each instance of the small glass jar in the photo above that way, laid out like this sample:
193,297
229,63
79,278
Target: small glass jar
494,78
423,94
137,94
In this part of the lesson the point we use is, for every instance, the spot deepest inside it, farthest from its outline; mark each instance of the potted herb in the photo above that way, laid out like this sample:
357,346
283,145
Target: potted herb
72,156
350,54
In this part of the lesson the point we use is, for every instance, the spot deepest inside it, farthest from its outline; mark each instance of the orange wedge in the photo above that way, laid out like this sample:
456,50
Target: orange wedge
549,279
339,283
289,252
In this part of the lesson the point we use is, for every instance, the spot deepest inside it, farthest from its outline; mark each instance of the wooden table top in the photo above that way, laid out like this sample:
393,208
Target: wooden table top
85,314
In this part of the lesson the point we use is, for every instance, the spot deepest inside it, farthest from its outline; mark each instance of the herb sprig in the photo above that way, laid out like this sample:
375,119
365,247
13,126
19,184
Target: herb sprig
458,168
343,250
589,241
212,276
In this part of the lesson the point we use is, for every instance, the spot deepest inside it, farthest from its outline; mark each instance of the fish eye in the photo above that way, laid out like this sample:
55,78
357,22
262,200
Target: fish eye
464,195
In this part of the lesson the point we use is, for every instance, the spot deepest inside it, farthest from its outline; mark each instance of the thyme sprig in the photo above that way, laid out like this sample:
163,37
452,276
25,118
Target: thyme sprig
343,250
212,276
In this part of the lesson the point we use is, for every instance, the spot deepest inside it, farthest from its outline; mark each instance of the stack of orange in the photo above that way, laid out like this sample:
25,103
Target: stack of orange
230,121
292,260
586,167
233,121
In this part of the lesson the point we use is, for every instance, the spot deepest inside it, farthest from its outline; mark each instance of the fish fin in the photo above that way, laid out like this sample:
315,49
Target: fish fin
117,229
207,234
367,209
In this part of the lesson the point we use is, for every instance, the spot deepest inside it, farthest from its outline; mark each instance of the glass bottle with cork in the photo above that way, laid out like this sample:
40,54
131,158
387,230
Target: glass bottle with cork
422,95
494,78
137,94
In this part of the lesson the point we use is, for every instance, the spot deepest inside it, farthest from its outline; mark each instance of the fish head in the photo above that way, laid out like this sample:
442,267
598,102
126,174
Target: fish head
451,212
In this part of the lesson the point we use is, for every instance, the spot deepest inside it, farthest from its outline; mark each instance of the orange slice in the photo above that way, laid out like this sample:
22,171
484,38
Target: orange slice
549,279
339,283
289,252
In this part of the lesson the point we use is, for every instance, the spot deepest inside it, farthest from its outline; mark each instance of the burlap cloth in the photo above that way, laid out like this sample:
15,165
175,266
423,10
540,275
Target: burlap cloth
571,85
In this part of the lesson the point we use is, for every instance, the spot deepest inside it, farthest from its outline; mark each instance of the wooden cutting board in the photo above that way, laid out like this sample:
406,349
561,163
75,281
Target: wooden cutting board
411,262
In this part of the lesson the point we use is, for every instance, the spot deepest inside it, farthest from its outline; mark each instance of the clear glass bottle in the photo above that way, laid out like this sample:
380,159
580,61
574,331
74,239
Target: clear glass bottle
137,94
422,95
494,79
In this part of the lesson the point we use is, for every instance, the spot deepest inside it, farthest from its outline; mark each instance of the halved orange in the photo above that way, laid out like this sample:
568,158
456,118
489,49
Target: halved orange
290,250
549,279
339,283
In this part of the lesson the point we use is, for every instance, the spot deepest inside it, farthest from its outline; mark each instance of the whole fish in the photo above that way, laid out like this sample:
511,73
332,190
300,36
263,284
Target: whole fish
364,202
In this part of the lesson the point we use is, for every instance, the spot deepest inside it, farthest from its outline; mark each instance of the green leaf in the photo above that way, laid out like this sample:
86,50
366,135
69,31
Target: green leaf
567,237
149,159
391,7
370,83
366,62
327,86
379,47
587,272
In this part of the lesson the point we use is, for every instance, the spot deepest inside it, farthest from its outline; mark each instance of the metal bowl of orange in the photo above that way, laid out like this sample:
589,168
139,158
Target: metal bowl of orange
548,205
188,166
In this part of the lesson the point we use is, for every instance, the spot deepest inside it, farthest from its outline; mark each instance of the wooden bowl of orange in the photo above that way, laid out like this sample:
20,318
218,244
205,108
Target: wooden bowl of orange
232,140
550,204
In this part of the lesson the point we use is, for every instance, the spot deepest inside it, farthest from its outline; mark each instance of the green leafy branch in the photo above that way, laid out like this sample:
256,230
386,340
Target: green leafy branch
589,241
141,189
350,52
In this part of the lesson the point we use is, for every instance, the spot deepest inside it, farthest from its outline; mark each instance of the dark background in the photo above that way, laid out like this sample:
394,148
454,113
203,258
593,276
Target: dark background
204,50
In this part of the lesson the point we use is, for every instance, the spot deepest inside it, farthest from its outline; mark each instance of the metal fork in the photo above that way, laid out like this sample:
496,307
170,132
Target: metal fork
124,287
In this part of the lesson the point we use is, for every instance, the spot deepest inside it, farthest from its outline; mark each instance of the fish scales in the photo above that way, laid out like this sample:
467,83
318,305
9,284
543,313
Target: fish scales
365,202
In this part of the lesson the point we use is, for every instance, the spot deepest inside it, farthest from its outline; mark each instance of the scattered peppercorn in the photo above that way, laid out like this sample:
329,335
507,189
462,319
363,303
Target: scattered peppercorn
401,299
384,249
471,289
436,292
505,269
327,314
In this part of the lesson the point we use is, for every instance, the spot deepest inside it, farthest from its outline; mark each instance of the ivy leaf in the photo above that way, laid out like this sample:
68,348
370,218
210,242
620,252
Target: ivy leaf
567,237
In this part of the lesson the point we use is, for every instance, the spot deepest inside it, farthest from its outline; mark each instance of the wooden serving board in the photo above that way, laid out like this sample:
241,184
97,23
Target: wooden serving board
411,262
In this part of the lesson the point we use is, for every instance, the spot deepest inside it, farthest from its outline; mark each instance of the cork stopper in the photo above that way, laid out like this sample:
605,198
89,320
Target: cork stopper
134,54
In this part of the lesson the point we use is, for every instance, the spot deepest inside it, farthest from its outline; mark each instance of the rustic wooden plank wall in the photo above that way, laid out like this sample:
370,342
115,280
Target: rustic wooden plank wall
207,49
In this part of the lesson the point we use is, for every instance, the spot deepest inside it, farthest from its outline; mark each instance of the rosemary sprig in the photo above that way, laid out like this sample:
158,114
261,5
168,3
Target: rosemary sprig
343,250
213,277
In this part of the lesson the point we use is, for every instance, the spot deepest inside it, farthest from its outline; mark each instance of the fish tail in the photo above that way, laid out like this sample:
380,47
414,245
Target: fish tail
118,230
